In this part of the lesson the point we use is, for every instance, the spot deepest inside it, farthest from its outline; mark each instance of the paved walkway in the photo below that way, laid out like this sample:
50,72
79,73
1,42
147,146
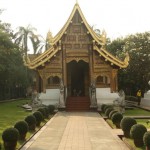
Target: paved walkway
76,131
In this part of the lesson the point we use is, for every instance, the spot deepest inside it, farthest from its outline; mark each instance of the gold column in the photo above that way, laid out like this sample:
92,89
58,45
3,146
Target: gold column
91,64
64,68
114,80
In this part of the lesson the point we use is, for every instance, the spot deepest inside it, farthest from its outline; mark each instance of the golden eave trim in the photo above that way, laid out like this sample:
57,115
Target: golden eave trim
112,59
41,60
63,30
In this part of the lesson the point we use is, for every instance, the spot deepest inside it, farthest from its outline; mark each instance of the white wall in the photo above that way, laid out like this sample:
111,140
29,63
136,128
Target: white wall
50,97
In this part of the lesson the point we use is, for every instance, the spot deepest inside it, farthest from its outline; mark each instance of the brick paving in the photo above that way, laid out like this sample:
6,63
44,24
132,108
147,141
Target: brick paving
76,131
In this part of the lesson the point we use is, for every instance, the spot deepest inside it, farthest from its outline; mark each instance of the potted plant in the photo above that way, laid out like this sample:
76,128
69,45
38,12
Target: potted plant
126,124
137,132
116,119
39,117
146,139
10,137
31,121
22,127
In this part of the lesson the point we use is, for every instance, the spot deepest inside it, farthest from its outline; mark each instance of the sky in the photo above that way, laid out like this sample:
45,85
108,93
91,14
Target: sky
117,17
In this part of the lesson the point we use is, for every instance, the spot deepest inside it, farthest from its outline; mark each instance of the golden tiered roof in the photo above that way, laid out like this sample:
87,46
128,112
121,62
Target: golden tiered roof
53,41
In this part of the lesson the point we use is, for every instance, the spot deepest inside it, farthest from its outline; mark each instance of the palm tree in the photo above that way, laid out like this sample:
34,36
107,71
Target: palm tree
38,43
23,36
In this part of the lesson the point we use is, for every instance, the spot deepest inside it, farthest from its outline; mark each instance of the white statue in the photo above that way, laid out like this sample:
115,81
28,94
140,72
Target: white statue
61,97
36,102
93,95
120,102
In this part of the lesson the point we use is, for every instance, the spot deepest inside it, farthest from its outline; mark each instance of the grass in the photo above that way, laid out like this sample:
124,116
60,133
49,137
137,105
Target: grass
130,142
12,112
136,112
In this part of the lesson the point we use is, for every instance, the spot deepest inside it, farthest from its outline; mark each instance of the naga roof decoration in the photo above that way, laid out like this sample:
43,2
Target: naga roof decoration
55,42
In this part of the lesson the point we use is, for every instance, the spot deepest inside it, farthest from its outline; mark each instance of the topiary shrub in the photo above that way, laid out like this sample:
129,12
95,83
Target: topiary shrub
146,140
108,110
51,109
46,112
126,124
42,110
10,137
106,107
39,117
137,132
111,113
116,119
23,128
31,121
102,107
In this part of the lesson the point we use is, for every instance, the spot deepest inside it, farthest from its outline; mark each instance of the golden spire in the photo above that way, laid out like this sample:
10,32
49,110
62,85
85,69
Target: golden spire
103,36
76,1
49,37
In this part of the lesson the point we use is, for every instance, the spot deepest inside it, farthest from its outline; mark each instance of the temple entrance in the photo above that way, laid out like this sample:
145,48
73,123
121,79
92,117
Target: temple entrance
78,78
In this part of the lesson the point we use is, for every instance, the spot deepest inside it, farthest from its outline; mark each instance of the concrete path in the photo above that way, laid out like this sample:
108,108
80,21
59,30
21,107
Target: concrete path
76,131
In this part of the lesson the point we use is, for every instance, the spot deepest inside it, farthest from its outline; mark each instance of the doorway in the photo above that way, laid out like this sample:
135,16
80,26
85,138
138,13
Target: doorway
78,78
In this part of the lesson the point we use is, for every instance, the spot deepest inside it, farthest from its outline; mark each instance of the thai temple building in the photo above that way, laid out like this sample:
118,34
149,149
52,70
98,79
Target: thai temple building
76,70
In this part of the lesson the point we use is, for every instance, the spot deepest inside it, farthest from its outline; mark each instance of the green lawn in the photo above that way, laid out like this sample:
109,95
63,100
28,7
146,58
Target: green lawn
137,112
11,112
131,143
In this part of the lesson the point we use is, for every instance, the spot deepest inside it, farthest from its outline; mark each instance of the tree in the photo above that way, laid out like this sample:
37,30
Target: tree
137,74
13,79
23,36
37,43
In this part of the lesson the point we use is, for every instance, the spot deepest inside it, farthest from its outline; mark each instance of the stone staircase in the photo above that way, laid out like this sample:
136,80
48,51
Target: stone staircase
78,103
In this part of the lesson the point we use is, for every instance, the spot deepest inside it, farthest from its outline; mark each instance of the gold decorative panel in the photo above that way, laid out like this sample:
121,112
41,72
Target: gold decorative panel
68,46
77,29
82,38
76,46
77,59
71,38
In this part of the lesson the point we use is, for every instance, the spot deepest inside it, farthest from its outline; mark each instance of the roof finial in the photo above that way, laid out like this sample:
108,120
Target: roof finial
76,1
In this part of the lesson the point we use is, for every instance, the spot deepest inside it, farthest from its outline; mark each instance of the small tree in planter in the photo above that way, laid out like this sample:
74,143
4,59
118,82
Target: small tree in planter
137,132
39,117
126,124
116,119
10,137
31,121
23,128
146,139
108,110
